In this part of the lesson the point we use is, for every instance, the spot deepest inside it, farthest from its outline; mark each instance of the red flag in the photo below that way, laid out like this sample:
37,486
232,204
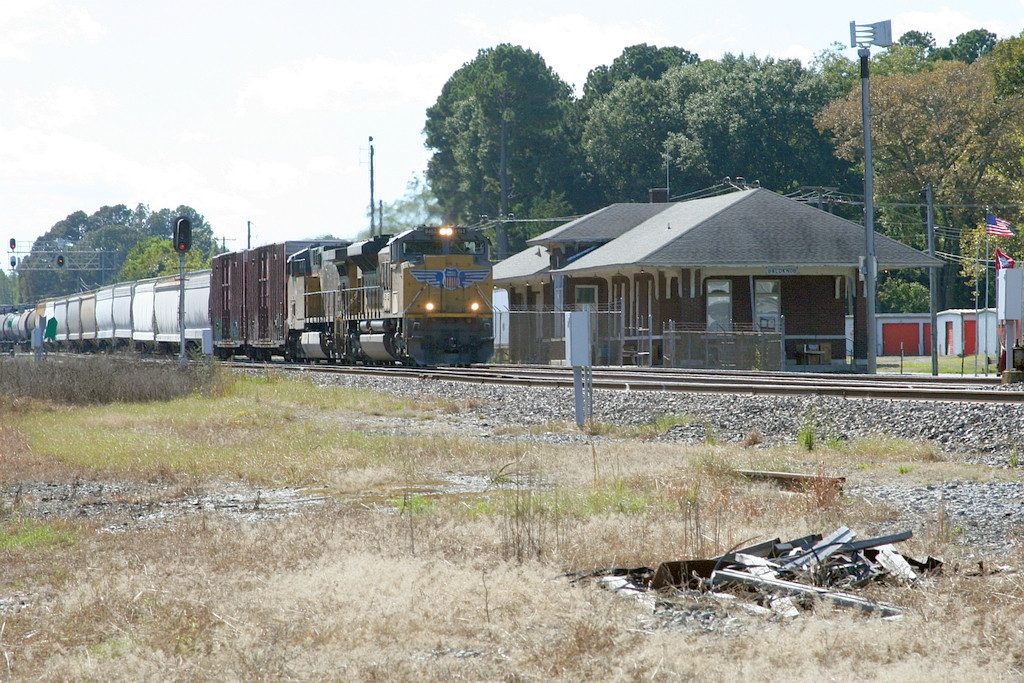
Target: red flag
997,226
1003,261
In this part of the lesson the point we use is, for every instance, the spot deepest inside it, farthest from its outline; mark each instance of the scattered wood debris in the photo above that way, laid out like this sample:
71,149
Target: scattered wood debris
780,575
795,481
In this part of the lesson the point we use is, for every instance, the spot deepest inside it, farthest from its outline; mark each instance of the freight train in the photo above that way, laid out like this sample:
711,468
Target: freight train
422,297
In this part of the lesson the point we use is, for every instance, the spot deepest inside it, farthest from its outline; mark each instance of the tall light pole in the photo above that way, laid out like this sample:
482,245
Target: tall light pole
372,225
862,36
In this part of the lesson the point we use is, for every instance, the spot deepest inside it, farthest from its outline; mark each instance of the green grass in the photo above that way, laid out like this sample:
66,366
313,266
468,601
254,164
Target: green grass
948,365
266,430
31,535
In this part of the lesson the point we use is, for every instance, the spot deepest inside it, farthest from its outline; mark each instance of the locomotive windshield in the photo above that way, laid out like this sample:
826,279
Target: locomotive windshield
413,248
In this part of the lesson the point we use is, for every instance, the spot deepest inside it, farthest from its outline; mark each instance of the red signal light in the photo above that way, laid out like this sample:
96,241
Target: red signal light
182,235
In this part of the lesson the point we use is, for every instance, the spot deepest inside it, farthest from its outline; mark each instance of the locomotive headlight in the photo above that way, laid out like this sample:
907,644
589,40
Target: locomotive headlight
430,305
474,307
446,231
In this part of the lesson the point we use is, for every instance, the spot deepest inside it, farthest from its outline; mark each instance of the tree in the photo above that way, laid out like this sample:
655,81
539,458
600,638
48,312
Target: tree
624,138
942,125
418,206
968,47
643,61
1008,67
841,73
8,289
498,135
95,247
155,256
752,118
900,295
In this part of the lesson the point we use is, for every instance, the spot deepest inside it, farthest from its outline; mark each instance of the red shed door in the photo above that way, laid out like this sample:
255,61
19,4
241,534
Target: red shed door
970,337
901,336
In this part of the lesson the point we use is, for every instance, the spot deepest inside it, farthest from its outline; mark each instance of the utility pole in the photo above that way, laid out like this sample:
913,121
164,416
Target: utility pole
933,288
372,232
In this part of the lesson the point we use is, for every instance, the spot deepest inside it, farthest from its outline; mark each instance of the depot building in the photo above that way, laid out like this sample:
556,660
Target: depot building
747,261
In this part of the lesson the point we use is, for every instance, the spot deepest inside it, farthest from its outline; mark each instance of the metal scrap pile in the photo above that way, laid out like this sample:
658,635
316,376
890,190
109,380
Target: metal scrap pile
800,571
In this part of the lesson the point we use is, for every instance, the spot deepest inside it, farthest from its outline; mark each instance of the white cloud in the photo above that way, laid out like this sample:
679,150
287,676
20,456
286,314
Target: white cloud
346,85
946,24
59,107
28,24
322,164
800,52
571,44
262,178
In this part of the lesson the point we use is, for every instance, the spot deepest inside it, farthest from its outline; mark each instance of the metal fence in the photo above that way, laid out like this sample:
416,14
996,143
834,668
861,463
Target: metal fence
537,337
741,349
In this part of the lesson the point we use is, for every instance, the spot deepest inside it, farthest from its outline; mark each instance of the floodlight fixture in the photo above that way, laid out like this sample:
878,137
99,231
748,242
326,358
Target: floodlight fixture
879,33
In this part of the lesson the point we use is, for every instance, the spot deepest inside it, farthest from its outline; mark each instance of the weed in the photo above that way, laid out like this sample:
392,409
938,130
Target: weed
808,434
415,504
522,529
500,477
102,380
710,438
905,469
754,438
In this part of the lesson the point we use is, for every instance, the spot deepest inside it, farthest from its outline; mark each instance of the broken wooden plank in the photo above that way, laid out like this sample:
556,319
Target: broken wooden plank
781,587
794,479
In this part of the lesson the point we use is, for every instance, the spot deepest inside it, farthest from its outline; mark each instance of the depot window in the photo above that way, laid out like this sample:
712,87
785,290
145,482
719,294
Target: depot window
719,305
586,295
767,304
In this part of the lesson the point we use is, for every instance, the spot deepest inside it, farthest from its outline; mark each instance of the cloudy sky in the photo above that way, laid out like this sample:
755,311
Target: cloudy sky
260,110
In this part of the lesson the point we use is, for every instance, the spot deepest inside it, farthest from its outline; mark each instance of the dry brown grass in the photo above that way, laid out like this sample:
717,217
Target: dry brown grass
469,586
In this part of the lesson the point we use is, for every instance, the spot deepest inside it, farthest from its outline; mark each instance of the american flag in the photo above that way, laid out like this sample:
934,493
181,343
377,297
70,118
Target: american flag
997,226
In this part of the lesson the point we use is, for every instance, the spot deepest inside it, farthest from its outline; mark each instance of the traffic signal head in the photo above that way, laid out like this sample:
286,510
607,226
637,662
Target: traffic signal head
182,235
13,244
14,262
60,260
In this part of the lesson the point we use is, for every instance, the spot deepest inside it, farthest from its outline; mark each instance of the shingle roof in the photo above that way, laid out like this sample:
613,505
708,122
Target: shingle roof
747,228
601,225
528,263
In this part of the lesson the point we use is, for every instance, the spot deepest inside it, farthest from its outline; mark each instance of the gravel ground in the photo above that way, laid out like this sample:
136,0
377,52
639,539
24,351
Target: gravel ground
987,516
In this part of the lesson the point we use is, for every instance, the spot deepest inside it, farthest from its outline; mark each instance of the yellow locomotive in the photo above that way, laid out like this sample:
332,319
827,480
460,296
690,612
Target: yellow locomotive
422,297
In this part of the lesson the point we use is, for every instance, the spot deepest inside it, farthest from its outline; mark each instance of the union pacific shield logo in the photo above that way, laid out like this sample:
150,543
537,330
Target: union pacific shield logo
451,278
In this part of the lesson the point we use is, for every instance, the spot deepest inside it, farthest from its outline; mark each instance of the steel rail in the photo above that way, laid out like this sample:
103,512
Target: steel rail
916,388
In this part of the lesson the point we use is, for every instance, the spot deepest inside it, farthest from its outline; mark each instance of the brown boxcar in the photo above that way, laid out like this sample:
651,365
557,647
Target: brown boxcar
248,299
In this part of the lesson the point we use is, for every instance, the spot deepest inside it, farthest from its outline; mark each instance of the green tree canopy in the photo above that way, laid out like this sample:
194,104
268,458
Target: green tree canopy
155,256
418,206
624,138
96,248
942,125
498,135
1008,67
753,118
643,61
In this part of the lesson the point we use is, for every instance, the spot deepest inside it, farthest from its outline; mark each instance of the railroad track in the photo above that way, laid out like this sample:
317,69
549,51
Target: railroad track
901,387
